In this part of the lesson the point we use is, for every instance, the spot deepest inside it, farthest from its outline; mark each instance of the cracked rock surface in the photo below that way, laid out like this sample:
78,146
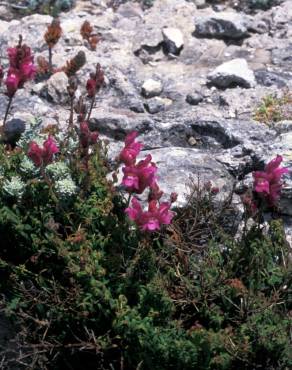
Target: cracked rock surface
174,49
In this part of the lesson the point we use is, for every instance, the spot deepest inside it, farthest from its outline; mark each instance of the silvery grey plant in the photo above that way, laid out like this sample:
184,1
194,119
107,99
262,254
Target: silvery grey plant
14,187
28,168
65,188
58,170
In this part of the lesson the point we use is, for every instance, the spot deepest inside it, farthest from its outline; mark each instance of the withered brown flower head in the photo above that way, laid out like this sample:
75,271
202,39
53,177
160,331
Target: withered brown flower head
72,86
86,30
237,285
87,34
81,109
99,76
43,65
93,41
53,33
74,64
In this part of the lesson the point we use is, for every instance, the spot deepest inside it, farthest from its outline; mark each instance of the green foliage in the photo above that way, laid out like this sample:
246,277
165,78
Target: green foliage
85,290
263,4
52,7
273,109
241,293
145,4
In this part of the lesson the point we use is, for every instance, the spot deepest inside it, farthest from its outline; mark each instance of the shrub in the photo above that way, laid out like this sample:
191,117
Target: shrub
273,109
90,279
263,4
41,6
83,288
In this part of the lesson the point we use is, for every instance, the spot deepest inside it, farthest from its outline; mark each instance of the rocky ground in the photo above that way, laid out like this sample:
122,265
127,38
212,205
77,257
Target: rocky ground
189,77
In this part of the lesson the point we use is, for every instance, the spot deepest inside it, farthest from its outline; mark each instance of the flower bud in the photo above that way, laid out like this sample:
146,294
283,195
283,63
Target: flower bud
215,190
173,197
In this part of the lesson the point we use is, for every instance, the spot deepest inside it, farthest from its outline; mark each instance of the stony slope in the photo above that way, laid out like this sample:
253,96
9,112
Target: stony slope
208,68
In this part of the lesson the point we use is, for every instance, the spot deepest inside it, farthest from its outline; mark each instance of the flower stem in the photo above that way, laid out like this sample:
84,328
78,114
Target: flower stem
50,59
7,110
71,117
49,183
128,200
91,107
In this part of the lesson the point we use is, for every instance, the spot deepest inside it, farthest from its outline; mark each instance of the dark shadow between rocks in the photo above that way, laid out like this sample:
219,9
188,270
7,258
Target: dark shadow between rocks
217,133
228,41
145,51
232,85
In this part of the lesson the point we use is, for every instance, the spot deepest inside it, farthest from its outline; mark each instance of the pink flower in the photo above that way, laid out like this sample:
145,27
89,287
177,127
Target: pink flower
162,213
268,182
215,190
21,68
129,153
152,219
50,148
42,156
86,136
91,87
28,71
95,82
12,82
35,153
19,55
13,57
138,177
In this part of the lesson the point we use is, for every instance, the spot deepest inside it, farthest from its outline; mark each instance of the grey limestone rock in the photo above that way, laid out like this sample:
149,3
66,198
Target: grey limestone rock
56,88
151,88
227,25
233,73
173,40
177,166
157,104
194,98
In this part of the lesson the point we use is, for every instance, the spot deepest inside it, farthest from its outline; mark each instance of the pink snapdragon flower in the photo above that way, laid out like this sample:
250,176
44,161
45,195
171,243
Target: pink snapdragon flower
268,183
95,82
131,149
35,153
139,176
27,71
42,156
91,87
21,54
50,148
154,218
21,68
87,137
12,82
13,57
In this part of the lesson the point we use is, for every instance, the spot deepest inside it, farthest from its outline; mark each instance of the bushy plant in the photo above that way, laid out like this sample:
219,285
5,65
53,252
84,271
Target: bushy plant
42,6
90,279
273,109
263,4
249,5
145,4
